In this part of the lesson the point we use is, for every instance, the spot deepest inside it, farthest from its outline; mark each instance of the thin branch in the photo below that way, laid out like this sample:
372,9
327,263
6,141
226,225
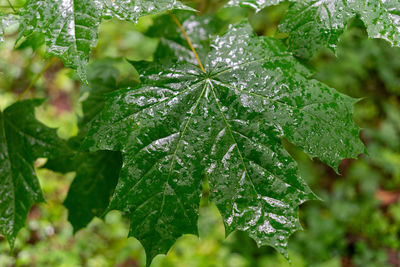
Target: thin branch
187,40
38,76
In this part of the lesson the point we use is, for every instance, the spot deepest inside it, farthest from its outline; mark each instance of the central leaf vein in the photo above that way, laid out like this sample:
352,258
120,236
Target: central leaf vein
228,126
176,150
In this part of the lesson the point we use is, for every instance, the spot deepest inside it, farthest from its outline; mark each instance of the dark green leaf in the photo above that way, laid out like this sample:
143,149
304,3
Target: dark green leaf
181,125
33,41
22,140
70,27
96,177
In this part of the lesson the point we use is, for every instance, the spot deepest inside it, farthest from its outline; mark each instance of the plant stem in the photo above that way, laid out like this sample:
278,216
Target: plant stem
187,40
12,7
38,76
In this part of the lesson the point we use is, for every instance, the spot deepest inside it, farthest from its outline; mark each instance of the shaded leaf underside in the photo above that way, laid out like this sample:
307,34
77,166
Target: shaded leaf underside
181,126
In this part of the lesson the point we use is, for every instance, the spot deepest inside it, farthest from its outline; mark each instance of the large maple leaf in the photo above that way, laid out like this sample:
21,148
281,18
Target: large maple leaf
183,125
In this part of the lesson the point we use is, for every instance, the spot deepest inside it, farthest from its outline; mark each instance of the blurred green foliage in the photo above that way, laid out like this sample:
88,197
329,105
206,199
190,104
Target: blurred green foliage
357,223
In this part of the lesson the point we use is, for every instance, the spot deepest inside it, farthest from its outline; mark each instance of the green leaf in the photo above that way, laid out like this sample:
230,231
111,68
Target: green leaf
255,4
96,172
314,24
70,27
181,126
104,76
22,140
132,10
96,177
95,180
199,28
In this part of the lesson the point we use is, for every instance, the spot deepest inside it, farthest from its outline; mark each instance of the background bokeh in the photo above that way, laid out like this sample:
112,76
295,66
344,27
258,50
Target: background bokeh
356,223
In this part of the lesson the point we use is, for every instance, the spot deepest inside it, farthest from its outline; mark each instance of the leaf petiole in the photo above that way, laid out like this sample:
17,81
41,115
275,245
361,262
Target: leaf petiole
187,39
40,74
11,6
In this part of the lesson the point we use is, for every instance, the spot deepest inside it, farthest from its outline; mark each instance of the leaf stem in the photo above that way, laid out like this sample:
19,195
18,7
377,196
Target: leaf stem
12,7
187,40
38,76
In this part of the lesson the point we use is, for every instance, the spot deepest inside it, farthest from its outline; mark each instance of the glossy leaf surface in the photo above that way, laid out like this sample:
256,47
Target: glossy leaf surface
132,10
255,4
22,140
181,126
70,27
200,29
314,24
